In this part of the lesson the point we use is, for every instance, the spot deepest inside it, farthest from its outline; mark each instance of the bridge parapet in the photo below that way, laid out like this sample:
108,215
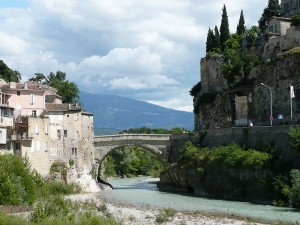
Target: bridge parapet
121,137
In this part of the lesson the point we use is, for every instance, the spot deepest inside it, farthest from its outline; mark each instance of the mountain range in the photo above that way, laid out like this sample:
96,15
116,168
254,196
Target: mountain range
113,112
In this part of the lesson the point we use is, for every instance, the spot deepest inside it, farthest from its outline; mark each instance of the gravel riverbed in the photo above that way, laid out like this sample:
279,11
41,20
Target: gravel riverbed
130,215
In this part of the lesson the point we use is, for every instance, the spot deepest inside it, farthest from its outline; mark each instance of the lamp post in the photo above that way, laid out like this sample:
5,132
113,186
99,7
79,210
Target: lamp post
271,116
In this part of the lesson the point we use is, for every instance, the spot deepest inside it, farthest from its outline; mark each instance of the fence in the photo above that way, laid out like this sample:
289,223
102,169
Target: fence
10,209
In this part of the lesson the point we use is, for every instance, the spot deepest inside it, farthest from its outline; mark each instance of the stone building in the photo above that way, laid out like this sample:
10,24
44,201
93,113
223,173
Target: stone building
45,129
217,106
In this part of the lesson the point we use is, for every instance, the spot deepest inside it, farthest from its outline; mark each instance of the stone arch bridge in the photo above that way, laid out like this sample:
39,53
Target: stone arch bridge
156,143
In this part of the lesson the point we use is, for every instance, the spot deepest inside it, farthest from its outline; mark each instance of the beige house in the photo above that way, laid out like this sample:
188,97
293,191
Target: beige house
45,129
278,26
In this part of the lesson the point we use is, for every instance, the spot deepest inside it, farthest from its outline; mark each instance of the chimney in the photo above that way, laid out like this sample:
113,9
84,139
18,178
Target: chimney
25,85
12,84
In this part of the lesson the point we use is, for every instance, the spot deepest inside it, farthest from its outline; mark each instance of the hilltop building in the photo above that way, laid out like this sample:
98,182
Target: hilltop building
38,125
217,106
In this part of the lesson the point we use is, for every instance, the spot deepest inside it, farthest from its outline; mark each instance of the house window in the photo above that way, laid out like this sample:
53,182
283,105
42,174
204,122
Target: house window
276,29
31,99
33,113
74,151
271,29
0,133
58,133
37,129
66,133
18,93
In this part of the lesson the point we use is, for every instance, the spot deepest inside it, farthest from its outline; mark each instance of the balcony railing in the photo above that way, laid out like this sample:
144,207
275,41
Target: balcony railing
24,136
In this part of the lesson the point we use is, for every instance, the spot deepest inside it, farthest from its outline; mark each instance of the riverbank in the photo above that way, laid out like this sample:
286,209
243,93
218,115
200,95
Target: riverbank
131,215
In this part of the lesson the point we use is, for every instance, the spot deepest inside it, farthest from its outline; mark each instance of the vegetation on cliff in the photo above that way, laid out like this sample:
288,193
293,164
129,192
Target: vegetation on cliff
235,172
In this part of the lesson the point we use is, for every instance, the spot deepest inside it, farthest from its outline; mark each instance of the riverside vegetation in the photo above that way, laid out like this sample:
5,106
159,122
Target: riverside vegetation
131,161
20,185
235,172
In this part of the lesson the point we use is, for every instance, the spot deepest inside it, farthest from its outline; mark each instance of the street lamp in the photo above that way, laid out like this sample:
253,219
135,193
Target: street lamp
271,117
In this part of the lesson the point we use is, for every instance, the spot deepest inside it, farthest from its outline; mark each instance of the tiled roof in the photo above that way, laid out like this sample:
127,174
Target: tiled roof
50,107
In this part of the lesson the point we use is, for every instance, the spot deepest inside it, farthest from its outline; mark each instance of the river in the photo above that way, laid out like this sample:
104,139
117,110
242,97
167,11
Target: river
142,192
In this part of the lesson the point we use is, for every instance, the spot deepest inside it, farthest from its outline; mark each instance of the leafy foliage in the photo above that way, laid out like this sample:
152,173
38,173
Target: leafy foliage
296,20
294,136
147,130
8,74
237,62
68,90
231,156
132,161
224,28
17,183
294,194
273,9
240,30
195,89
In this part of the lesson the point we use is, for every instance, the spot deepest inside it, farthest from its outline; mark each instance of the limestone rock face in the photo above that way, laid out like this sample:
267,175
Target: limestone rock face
211,78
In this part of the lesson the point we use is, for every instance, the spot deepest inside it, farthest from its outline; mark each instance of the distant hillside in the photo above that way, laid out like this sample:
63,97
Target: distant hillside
115,112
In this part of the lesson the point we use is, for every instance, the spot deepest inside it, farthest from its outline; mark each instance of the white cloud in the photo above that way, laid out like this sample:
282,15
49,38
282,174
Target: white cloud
148,50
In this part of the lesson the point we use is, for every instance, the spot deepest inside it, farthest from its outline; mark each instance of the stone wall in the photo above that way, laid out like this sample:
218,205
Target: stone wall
281,44
255,137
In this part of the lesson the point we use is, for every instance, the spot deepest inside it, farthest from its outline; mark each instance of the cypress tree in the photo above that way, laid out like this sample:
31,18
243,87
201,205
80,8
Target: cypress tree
240,30
273,9
209,41
217,44
224,28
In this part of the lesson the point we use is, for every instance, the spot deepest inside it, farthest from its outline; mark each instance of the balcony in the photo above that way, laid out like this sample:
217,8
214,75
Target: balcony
19,137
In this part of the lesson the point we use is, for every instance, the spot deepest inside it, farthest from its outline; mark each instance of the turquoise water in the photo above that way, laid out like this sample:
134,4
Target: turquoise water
136,191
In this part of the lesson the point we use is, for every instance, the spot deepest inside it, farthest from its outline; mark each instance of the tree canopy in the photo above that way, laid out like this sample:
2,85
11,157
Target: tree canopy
224,28
8,74
273,9
240,30
68,90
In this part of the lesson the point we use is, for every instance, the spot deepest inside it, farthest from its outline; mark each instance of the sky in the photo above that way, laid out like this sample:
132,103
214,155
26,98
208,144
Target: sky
145,50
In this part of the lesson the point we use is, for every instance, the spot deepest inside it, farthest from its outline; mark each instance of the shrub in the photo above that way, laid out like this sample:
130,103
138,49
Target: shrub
17,183
60,188
294,194
296,21
57,167
294,136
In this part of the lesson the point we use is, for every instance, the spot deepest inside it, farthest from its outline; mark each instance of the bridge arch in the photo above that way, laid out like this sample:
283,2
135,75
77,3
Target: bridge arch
157,144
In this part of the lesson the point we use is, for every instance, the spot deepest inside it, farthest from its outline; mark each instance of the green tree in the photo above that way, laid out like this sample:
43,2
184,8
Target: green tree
38,77
66,89
251,35
209,41
17,183
216,41
8,74
240,30
273,9
224,28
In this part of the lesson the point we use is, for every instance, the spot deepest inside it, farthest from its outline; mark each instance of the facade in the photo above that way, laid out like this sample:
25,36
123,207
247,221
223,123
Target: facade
35,123
277,26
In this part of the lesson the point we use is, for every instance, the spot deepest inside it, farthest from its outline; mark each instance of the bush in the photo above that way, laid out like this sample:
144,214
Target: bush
296,21
60,188
294,136
17,182
57,167
294,194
